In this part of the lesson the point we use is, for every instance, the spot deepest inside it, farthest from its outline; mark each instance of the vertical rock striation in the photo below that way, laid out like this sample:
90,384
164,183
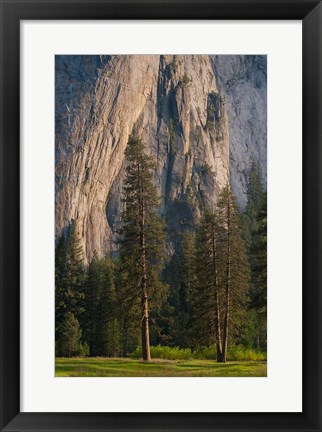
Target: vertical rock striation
173,103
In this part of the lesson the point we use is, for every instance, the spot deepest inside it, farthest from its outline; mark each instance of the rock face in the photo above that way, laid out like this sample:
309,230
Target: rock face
173,103
242,79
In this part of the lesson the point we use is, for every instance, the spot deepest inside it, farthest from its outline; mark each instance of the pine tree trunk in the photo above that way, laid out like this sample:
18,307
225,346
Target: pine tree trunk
144,294
145,318
145,331
218,330
216,297
228,274
226,325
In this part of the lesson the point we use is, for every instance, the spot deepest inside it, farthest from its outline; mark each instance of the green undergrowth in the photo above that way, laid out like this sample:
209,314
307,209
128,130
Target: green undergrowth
234,353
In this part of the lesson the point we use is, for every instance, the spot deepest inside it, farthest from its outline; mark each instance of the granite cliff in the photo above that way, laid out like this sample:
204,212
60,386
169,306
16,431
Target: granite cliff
178,105
243,82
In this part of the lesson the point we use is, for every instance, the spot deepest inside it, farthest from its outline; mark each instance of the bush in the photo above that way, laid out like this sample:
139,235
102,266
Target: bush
165,352
240,353
186,80
234,353
171,353
206,353
84,349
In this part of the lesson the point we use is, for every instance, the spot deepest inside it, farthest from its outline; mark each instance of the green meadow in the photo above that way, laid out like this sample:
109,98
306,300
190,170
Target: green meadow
121,367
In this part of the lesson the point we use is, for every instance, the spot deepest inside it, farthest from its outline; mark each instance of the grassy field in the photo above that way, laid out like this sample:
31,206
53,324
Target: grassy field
120,367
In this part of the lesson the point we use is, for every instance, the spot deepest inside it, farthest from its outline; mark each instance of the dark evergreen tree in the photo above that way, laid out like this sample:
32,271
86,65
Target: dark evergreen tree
255,196
207,292
222,275
61,271
94,287
179,274
69,281
69,343
102,324
258,294
254,224
110,323
234,275
75,275
141,243
259,258
128,304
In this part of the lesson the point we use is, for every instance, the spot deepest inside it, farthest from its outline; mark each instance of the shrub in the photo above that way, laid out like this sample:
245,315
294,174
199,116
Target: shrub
171,353
186,80
206,353
84,349
240,353
136,354
234,353
165,352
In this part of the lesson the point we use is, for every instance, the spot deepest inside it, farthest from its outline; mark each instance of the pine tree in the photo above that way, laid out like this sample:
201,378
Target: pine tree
102,326
187,281
222,275
69,280
258,294
60,283
127,300
259,258
234,263
141,242
70,336
207,291
179,274
255,226
94,285
75,274
255,196
109,322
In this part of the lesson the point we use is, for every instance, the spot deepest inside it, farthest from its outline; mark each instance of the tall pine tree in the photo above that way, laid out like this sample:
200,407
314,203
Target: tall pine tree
234,264
61,271
101,331
180,275
207,293
255,226
69,280
258,293
222,275
75,274
70,336
255,197
141,241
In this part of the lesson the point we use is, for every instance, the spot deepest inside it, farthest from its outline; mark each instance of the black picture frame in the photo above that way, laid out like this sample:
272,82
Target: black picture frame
12,12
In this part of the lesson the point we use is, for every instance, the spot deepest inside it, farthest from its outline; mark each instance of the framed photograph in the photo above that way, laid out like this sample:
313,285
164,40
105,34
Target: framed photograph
160,215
